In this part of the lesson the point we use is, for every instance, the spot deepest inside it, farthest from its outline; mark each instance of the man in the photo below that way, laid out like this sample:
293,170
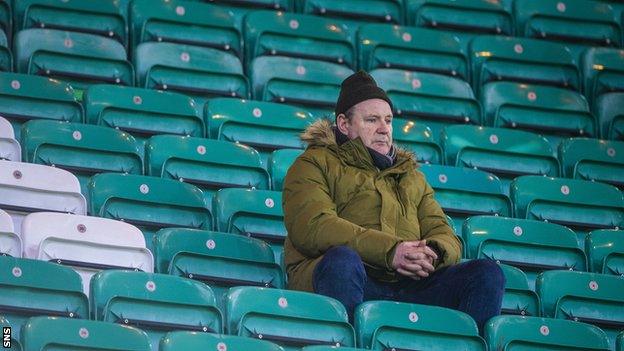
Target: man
363,223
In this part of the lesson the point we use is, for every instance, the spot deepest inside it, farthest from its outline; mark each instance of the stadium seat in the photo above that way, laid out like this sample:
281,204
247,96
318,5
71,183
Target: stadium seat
603,71
82,149
584,297
199,72
522,60
87,244
314,85
503,152
155,303
265,126
14,344
253,213
578,204
10,243
519,299
24,97
386,325
104,18
208,164
480,17
27,187
551,111
609,110
418,139
592,159
270,33
412,49
10,149
221,260
53,333
143,112
78,58
388,11
181,340
537,334
279,162
36,288
291,319
432,99
150,203
185,22
605,250
573,21
530,245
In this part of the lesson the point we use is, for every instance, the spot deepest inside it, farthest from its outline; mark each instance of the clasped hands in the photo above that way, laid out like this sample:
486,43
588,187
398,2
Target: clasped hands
414,259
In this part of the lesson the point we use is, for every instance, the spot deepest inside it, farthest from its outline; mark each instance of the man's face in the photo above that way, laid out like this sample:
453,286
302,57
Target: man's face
371,120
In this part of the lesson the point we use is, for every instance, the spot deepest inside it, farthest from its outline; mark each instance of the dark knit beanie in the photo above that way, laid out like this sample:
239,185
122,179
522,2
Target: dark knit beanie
356,88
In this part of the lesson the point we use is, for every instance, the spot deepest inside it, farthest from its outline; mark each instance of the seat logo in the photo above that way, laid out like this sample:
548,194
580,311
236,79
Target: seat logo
406,37
15,84
211,244
257,112
221,346
517,230
180,10
413,317
544,330
269,202
282,302
83,333
593,285
150,286
17,272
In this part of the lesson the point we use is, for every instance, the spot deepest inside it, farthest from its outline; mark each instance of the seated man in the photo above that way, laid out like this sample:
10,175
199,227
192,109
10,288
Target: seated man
362,221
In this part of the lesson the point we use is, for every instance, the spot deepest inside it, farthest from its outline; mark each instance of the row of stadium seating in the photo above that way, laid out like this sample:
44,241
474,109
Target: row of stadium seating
160,303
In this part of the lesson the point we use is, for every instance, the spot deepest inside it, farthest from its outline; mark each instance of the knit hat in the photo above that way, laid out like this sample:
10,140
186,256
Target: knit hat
356,88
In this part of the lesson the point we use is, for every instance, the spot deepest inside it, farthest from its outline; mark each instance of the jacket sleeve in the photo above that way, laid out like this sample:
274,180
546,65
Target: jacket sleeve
436,230
312,221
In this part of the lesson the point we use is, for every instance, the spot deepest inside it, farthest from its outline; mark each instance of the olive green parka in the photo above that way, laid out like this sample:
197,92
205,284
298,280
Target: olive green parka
334,195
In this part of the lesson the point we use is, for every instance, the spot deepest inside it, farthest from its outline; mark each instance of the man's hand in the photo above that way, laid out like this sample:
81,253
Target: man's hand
414,259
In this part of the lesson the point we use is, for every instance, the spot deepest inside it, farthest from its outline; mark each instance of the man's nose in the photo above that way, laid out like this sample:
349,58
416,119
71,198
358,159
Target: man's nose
383,128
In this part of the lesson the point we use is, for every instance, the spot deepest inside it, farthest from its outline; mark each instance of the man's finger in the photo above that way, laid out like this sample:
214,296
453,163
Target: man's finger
430,252
412,267
407,273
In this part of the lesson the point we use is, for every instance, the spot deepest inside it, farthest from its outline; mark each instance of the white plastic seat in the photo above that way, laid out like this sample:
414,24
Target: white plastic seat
10,243
87,244
9,147
27,188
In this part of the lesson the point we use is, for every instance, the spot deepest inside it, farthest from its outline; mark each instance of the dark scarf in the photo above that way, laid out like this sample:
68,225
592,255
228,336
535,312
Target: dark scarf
380,160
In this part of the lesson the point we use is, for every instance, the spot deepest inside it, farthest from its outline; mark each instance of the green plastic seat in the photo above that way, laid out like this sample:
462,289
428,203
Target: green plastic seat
253,213
519,298
25,97
574,21
181,340
10,242
418,139
477,16
584,297
503,152
529,245
538,334
82,149
605,250
578,204
150,203
10,148
291,319
385,325
603,70
78,58
593,159
155,303
312,84
53,333
412,49
551,111
36,288
13,343
269,33
610,114
185,22
522,60
265,126
104,18
199,72
221,260
279,162
433,99
205,163
387,11
143,112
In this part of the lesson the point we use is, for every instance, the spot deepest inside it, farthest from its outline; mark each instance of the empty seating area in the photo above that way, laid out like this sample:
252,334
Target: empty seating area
144,146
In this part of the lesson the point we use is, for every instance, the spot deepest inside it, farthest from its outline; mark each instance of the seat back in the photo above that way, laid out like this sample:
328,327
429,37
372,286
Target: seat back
10,149
383,325
279,162
603,69
10,242
610,114
605,250
9,342
291,319
593,159
387,11
418,139
519,298
182,340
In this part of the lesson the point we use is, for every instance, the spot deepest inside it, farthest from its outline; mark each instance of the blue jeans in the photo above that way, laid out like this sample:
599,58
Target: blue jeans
475,287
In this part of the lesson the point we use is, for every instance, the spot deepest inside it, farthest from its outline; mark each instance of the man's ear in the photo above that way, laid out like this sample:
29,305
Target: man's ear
341,123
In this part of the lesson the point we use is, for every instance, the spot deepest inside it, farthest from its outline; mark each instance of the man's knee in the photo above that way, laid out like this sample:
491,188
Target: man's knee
487,272
342,261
